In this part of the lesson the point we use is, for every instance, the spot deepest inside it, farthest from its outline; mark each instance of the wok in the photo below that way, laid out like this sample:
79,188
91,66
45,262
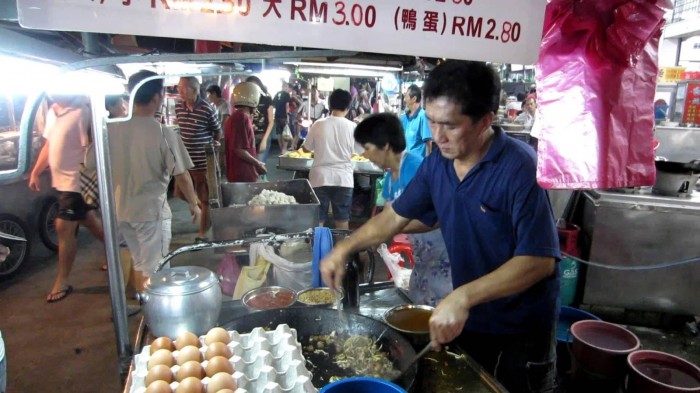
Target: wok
678,167
314,321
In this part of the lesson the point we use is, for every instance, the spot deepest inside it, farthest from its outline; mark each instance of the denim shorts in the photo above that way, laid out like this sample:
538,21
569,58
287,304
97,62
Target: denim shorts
340,198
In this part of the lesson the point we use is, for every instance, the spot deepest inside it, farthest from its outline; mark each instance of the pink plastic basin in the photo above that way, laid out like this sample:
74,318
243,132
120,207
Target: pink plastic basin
602,348
660,372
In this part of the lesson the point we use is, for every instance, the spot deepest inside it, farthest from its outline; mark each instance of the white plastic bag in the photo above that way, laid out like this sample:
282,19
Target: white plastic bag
293,275
399,274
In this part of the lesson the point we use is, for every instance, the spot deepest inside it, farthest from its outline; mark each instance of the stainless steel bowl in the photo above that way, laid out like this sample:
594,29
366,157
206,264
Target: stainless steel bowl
266,298
332,303
410,312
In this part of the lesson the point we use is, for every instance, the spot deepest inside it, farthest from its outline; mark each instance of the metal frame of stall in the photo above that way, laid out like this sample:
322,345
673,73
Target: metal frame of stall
116,282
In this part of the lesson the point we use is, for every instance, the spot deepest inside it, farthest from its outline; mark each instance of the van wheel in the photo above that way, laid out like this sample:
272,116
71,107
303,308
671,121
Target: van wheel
19,251
47,224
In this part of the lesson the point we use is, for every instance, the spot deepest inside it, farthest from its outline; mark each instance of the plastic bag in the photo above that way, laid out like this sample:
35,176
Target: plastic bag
229,271
253,276
393,261
293,275
595,88
287,133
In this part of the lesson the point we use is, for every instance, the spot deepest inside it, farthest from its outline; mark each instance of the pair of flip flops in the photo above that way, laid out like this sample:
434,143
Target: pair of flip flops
60,295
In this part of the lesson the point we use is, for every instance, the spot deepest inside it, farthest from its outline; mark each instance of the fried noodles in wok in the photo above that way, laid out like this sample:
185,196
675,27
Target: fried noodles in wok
356,354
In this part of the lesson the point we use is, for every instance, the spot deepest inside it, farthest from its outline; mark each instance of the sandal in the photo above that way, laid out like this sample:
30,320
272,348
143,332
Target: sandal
201,239
60,295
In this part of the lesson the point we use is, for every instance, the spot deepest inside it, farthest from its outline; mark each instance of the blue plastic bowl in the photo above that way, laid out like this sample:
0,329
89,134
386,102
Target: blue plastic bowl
362,385
567,317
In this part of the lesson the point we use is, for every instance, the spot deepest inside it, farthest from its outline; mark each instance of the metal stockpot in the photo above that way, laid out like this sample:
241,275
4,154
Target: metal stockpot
185,298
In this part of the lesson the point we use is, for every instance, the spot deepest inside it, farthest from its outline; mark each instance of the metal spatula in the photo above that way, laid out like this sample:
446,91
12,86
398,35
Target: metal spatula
414,360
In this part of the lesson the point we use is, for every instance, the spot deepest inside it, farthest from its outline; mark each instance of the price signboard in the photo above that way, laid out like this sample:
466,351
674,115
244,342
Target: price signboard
691,110
506,31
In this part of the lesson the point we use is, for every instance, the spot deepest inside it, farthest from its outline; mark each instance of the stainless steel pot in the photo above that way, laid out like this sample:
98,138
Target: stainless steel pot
185,298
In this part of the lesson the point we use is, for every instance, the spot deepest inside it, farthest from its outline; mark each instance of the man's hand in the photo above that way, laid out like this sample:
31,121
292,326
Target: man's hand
196,213
333,268
34,182
262,168
4,253
448,318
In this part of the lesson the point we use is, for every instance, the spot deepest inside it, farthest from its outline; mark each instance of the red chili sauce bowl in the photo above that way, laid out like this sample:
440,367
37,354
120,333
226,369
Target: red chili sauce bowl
266,298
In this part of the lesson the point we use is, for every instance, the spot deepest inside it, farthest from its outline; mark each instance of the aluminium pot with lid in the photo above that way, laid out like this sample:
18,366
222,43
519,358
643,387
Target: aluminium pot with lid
184,298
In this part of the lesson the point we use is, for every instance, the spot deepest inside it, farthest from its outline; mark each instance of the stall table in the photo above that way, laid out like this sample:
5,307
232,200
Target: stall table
450,370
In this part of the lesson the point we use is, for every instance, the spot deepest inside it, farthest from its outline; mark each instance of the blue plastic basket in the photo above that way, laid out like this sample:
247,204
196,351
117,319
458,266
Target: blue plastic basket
362,385
567,317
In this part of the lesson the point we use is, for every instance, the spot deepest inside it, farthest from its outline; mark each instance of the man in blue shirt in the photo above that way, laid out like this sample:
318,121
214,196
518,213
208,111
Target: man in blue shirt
498,227
415,125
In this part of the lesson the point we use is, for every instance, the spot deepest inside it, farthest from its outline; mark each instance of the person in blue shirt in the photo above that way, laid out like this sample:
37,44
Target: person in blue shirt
381,136
498,227
415,125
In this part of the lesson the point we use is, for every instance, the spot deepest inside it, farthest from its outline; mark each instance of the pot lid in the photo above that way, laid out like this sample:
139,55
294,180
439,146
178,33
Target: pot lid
181,280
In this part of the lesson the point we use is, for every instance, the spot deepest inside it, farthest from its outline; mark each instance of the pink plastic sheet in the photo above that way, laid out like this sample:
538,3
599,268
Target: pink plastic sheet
596,78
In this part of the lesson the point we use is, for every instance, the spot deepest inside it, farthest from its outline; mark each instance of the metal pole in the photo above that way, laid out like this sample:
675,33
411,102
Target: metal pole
678,51
90,43
116,280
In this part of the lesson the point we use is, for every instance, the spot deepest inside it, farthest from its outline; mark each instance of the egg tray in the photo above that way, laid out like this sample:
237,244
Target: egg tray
263,362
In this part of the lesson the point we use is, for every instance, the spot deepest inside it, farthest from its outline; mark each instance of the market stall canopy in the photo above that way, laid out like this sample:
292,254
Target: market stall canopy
506,31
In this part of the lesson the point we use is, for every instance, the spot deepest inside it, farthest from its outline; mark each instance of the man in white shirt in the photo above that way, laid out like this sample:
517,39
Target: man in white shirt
223,107
527,118
331,176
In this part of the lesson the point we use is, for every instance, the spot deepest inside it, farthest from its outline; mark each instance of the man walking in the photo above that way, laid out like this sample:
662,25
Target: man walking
281,104
66,134
199,127
145,155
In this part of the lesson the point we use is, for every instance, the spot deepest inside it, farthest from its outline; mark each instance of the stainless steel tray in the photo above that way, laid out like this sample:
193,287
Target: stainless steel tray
366,167
238,220
295,164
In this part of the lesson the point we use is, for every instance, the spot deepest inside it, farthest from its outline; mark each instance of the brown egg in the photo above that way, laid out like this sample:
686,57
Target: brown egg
190,385
161,356
159,387
217,335
221,381
188,353
185,339
162,343
218,364
190,369
159,372
217,349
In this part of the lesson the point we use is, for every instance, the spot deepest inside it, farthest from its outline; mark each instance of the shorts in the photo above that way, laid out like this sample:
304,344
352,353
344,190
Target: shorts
72,206
279,125
148,243
340,198
199,181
